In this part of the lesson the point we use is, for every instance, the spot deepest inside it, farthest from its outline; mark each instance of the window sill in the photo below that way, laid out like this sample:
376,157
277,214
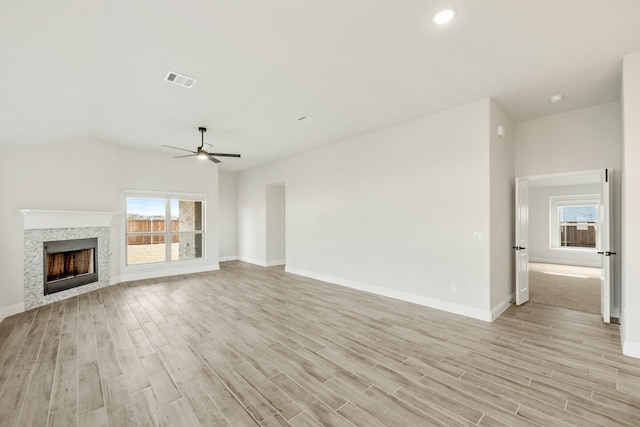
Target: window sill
200,260
162,269
586,250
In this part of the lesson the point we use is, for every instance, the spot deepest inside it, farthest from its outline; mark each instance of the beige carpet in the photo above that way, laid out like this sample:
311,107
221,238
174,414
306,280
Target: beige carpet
577,288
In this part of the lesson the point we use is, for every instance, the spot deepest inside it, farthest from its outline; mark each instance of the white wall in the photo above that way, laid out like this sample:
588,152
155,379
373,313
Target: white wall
585,139
539,244
228,215
73,176
394,211
630,253
401,224
89,175
502,210
275,224
252,211
589,138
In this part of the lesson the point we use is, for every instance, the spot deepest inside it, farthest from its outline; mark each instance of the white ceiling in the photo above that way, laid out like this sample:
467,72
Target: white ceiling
78,69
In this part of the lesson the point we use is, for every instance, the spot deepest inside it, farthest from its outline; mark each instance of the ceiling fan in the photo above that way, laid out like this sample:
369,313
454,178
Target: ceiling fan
200,152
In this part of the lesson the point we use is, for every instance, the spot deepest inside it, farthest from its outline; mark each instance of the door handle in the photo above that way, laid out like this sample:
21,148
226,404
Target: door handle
607,253
517,248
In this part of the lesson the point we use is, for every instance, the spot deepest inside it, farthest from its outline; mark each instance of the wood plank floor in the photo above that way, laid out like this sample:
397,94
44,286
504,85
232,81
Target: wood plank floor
252,346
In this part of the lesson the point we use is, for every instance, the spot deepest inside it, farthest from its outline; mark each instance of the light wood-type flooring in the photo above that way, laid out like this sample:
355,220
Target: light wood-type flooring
249,346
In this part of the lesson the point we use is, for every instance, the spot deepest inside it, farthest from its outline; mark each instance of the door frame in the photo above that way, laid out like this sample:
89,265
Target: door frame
592,176
522,240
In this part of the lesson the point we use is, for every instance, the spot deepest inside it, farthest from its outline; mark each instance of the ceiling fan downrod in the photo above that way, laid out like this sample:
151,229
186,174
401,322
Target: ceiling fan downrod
202,130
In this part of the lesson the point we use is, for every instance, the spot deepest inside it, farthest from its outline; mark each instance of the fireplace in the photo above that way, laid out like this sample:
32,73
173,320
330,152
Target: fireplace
54,231
69,263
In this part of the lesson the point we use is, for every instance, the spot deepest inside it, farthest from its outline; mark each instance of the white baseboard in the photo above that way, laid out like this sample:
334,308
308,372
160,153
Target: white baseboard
260,262
502,307
564,262
133,273
228,258
450,307
251,261
11,310
631,349
114,280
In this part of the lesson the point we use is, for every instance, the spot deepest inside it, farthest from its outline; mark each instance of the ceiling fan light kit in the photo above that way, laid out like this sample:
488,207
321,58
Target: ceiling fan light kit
200,152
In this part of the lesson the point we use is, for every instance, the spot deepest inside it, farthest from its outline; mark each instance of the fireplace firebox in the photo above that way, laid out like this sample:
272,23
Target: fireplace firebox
69,264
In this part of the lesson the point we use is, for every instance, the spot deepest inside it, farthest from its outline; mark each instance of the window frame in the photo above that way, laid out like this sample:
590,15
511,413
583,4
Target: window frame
167,233
555,203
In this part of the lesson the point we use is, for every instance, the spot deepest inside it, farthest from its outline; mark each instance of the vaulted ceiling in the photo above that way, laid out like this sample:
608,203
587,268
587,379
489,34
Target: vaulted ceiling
78,69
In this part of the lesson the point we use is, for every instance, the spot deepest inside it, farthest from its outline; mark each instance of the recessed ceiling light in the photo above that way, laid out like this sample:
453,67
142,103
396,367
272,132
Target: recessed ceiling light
556,98
444,16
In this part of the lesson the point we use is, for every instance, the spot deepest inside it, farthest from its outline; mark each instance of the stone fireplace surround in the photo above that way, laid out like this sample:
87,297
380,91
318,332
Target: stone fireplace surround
48,225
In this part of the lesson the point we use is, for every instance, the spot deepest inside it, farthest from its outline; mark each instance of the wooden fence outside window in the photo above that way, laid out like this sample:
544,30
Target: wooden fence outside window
150,226
578,234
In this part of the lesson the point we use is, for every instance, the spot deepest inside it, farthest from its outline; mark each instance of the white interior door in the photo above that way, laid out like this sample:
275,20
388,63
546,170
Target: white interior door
604,245
522,241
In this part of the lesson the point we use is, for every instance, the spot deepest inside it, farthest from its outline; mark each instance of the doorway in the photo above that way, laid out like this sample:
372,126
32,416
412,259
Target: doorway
275,219
563,241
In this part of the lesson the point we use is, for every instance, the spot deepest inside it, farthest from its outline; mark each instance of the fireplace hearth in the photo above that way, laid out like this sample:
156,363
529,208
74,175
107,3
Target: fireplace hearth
69,263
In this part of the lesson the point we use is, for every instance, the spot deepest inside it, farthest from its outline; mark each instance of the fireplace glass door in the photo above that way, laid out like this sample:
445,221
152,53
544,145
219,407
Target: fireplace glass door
69,263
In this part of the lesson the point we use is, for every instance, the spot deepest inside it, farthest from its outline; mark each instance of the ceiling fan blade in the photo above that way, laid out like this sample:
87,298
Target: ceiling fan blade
213,159
178,148
224,155
188,155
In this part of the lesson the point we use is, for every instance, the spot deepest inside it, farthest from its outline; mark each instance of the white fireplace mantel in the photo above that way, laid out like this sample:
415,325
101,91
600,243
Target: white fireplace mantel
44,219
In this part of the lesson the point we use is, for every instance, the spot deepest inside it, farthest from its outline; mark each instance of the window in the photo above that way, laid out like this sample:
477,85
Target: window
573,222
164,228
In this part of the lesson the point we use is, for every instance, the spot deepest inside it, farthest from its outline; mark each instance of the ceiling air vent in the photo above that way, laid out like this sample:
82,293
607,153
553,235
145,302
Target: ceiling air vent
180,79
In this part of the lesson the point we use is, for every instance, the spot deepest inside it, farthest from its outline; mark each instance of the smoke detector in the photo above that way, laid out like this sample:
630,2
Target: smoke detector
180,79
556,98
